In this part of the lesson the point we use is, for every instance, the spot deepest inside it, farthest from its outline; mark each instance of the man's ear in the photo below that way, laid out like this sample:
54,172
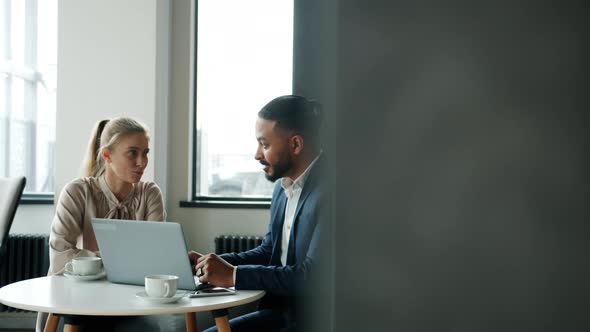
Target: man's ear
105,153
296,144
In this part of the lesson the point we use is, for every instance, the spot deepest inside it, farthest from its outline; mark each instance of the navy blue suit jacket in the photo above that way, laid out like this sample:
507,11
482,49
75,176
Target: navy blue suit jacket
261,268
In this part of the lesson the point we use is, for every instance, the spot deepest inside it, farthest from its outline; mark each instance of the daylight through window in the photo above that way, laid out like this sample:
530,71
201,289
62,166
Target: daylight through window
28,67
244,59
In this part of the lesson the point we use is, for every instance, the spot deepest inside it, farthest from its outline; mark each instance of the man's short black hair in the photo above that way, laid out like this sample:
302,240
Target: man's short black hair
296,113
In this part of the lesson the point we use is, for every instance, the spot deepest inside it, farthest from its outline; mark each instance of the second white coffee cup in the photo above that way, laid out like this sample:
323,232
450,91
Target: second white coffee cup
161,285
84,266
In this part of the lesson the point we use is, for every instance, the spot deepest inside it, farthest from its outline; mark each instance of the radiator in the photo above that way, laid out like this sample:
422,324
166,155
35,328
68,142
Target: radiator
26,256
236,243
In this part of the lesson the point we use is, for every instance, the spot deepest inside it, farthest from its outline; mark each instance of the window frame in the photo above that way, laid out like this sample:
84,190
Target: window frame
201,201
30,79
37,199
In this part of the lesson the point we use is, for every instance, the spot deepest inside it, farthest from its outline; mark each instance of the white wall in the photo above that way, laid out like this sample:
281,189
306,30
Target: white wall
107,67
113,60
32,219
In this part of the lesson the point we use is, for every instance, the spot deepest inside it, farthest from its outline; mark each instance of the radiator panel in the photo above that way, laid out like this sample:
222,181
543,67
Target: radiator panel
236,243
26,257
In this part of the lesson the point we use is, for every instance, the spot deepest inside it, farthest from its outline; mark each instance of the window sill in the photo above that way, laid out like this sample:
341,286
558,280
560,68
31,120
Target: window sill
36,199
228,203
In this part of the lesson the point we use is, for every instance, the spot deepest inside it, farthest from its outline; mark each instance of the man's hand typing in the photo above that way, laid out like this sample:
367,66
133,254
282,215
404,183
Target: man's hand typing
214,270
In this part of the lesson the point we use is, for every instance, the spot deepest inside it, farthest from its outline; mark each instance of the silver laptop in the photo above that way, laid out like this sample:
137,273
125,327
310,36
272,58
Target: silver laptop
132,249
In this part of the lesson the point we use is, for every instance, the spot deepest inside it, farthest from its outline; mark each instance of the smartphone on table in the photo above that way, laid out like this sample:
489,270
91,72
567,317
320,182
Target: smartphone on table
213,291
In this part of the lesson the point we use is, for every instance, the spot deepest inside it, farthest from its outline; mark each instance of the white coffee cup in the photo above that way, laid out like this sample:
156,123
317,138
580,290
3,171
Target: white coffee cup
161,285
84,266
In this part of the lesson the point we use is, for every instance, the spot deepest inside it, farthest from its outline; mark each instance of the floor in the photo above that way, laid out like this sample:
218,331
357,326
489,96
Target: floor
25,322
17,321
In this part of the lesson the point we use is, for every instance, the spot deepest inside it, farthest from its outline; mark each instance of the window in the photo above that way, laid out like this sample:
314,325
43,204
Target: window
28,68
244,58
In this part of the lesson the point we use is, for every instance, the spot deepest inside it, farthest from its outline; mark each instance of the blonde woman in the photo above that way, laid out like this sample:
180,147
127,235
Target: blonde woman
116,159
112,188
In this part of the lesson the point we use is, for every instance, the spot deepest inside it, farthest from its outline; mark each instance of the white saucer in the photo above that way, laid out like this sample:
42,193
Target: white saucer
160,300
78,277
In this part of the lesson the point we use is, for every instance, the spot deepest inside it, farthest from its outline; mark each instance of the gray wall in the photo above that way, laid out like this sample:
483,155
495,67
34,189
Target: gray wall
462,166
315,75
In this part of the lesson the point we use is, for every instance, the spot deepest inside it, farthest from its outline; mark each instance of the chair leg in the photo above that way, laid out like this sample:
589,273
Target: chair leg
51,323
222,324
191,321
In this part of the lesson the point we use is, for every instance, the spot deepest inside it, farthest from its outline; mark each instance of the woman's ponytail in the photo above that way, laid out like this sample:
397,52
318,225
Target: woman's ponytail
91,164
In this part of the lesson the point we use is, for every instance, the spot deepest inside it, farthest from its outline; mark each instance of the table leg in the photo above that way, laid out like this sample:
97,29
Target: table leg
191,321
70,328
222,324
51,323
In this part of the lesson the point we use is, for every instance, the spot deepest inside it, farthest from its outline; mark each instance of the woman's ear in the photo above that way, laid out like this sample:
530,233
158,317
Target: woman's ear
105,153
297,144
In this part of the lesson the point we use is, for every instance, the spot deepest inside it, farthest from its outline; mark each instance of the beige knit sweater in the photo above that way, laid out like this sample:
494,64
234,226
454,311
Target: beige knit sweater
86,198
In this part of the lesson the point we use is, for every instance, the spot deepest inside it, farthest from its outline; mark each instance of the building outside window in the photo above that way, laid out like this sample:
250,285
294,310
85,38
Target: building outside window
28,68
244,58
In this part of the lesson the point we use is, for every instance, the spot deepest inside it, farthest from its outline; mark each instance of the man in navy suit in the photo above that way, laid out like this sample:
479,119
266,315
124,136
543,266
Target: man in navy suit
287,130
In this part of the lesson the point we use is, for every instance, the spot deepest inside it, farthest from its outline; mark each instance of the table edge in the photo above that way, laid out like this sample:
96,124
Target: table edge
155,309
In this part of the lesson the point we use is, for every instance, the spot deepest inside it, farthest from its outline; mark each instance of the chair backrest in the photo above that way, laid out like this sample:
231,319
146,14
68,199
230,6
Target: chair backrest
11,190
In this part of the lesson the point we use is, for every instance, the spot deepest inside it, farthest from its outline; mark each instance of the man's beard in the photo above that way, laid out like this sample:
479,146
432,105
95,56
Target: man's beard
279,169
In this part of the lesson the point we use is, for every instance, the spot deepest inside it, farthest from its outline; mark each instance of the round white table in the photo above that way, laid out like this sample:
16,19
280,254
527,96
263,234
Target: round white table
59,295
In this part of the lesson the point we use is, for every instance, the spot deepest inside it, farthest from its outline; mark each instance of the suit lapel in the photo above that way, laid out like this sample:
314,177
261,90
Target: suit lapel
277,227
304,194
292,237
308,187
